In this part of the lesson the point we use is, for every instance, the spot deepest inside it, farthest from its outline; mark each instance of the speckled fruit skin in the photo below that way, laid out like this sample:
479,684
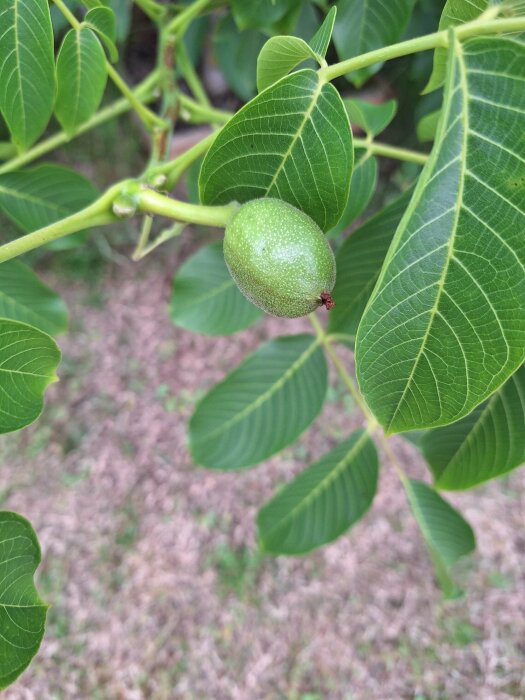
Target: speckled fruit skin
279,258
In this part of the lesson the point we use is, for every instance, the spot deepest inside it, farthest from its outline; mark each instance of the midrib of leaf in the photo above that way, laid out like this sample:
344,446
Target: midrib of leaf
324,484
297,135
17,303
452,238
18,63
212,293
265,396
18,607
18,194
78,46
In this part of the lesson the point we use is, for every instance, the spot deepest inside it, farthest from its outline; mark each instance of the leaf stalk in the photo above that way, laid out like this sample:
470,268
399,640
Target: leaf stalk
478,27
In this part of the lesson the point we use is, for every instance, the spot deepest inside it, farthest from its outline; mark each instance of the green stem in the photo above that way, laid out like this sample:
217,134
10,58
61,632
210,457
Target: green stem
97,214
372,424
200,114
384,149
166,235
191,77
423,43
173,169
346,378
143,238
341,337
149,118
170,105
151,202
64,9
180,22
142,92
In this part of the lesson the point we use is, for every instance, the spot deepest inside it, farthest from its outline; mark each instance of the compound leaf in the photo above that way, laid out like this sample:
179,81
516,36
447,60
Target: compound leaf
486,444
359,261
81,78
28,362
27,70
262,406
445,326
447,534
22,611
323,501
205,298
454,13
292,141
365,25
23,297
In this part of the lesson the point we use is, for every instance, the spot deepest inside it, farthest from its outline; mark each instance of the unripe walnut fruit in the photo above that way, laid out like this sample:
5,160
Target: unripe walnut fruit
279,258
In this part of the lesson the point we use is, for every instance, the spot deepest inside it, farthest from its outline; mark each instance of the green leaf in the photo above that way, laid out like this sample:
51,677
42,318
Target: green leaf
236,54
362,188
103,21
486,444
22,611
259,14
447,534
445,326
281,54
321,39
370,117
278,57
23,297
365,25
81,78
28,362
454,13
262,406
359,262
40,196
322,502
427,126
310,160
27,71
205,298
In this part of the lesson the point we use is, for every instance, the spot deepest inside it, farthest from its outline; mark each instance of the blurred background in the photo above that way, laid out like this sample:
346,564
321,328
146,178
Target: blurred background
150,563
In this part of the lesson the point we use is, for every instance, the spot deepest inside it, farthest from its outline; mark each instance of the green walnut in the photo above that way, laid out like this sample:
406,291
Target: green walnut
279,258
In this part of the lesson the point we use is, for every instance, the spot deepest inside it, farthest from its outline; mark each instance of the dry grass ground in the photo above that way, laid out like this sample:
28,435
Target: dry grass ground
150,563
